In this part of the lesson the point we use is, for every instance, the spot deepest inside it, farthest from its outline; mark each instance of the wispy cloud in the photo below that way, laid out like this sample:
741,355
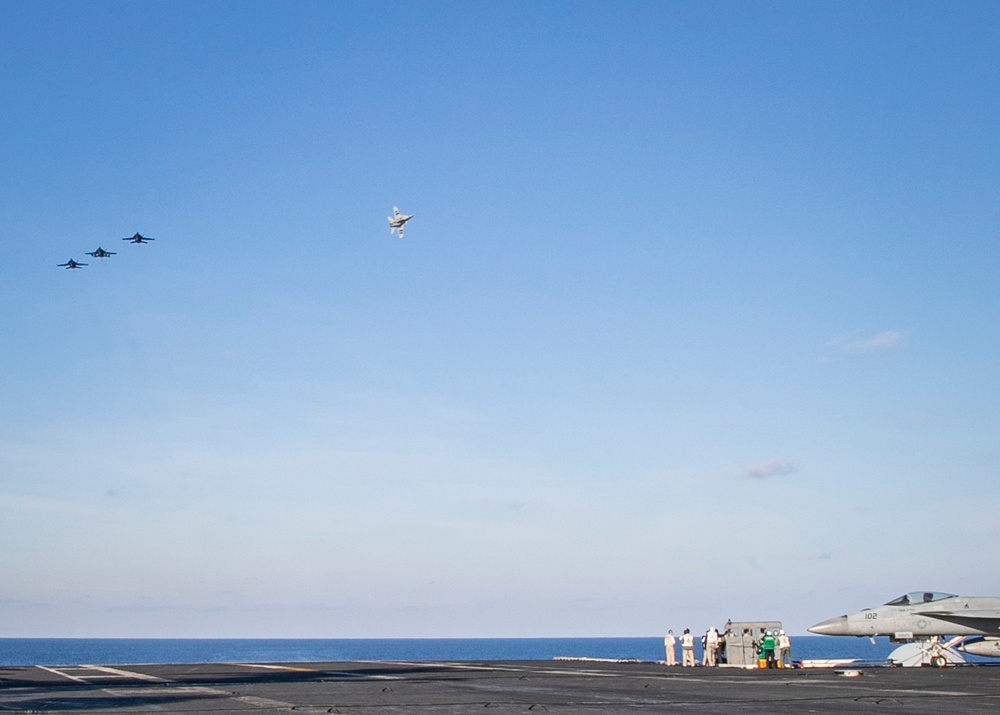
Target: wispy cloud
879,342
21,503
772,468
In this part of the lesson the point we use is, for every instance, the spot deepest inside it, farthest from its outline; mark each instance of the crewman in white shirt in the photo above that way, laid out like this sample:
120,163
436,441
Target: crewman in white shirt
711,647
687,649
669,644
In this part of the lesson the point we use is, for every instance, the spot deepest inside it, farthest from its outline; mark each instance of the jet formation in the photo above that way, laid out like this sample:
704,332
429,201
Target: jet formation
101,253
396,223
922,619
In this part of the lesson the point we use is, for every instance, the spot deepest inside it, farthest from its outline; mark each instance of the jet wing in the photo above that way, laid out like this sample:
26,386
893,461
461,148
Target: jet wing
988,621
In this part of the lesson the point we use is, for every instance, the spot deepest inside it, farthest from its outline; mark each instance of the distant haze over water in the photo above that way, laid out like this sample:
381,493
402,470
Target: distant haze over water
117,651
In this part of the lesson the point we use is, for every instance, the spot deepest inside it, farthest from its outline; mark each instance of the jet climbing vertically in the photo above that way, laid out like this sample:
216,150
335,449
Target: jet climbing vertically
397,220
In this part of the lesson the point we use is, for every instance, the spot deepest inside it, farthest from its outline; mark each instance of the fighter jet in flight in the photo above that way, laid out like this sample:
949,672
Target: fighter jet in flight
100,253
397,220
139,238
926,616
71,264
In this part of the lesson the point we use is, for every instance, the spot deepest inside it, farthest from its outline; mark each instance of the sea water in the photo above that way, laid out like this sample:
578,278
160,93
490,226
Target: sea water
125,651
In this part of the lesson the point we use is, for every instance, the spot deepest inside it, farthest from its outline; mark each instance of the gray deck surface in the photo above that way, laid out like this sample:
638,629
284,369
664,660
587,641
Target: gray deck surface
492,688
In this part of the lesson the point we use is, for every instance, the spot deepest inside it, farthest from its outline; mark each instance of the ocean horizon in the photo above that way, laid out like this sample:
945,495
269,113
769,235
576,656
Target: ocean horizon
133,651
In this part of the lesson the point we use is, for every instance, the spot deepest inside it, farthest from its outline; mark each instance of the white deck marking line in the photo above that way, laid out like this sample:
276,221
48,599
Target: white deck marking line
229,695
519,669
945,693
268,666
352,674
115,672
251,700
56,671
347,674
260,702
86,673
740,681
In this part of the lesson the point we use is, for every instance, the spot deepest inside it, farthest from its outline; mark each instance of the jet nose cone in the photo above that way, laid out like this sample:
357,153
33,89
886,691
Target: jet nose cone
831,627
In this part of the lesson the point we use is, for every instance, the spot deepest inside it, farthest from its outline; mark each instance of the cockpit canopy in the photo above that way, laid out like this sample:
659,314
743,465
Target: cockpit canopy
918,597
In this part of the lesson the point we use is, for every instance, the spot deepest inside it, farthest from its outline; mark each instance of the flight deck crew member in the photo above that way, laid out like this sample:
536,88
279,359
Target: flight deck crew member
711,647
767,649
687,649
748,645
783,650
669,644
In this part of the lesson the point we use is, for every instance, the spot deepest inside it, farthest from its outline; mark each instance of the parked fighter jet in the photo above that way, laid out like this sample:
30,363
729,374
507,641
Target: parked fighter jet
397,220
71,264
925,616
138,238
100,253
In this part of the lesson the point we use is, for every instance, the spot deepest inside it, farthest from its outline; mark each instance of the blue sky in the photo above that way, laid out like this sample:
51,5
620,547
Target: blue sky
697,318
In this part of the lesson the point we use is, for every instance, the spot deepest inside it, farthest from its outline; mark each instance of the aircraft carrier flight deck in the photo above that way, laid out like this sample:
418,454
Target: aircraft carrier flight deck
368,688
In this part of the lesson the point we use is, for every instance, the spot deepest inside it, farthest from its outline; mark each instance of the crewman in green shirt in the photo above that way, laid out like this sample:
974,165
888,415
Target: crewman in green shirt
767,649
